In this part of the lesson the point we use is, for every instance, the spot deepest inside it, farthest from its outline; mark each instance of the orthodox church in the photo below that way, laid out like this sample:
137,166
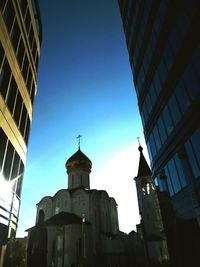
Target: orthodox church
82,223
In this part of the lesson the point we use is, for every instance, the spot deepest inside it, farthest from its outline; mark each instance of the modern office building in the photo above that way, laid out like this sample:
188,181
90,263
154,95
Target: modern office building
20,41
163,42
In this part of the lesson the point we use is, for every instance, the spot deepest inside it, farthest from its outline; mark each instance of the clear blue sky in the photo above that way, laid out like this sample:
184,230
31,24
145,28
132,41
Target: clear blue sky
85,87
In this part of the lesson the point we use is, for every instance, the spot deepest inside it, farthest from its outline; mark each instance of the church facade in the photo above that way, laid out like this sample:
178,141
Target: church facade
82,223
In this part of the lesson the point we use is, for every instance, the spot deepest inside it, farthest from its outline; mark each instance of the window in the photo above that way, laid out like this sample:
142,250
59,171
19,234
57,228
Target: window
148,103
3,141
157,138
15,166
25,67
167,120
18,108
157,83
182,24
34,48
196,60
162,130
27,21
23,120
174,109
2,4
180,171
162,70
23,4
149,150
20,178
29,80
169,183
195,139
2,54
168,57
20,52
8,161
174,176
146,188
31,36
191,82
192,159
9,15
182,97
153,95
175,41
11,95
27,129
32,92
37,61
15,35
5,79
152,144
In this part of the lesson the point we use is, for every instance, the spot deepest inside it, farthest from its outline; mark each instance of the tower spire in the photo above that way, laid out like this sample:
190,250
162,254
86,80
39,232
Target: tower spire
138,138
143,169
79,140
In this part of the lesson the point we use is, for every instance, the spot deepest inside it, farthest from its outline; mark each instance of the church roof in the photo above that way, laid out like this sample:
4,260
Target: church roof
78,159
64,218
143,169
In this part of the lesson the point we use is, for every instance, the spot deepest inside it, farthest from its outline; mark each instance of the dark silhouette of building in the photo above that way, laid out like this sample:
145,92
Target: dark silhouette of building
151,219
37,244
163,42
20,41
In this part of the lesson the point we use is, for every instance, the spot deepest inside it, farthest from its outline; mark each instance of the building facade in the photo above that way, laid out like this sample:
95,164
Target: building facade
20,41
164,50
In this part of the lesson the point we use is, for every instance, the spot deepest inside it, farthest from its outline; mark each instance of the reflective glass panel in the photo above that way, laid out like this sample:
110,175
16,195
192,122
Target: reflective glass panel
169,183
191,82
180,171
182,97
174,109
174,176
192,159
167,120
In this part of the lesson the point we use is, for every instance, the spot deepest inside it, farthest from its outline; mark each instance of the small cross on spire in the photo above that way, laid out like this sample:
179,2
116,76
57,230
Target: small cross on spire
79,140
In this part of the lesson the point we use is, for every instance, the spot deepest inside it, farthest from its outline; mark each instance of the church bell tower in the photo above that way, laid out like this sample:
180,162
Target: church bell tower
149,208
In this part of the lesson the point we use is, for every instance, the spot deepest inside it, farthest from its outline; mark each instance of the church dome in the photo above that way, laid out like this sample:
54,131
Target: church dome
78,160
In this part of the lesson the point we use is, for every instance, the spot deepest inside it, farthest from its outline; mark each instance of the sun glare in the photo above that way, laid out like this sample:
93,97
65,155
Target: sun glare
116,177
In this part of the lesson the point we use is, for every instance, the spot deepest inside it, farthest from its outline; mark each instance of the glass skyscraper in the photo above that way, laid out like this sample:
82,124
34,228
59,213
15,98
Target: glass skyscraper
20,41
163,42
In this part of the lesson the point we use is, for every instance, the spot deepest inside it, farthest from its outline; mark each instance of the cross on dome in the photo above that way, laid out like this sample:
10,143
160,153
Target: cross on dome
79,140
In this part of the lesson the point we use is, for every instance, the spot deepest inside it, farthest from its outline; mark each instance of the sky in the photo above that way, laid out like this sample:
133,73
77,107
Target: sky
85,86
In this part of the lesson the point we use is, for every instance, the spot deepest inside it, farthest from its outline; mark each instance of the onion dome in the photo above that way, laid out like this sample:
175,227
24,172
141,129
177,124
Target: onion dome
78,160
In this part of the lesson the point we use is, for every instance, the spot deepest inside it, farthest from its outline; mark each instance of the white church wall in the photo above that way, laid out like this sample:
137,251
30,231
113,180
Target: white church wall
76,245
51,244
94,208
80,203
46,205
105,212
114,216
62,201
